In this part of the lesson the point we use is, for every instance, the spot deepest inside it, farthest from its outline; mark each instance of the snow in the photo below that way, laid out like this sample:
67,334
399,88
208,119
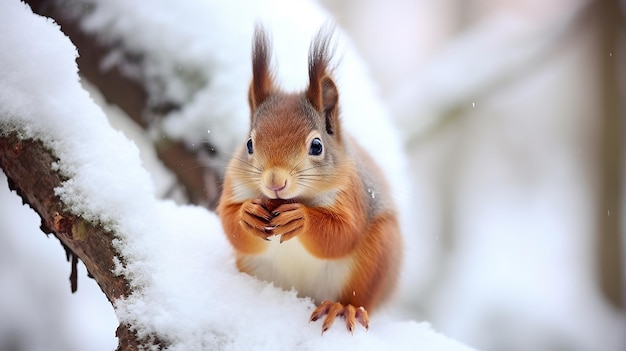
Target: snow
178,263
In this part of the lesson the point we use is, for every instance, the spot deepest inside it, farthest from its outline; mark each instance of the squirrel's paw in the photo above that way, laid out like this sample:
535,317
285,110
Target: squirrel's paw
288,220
255,219
333,310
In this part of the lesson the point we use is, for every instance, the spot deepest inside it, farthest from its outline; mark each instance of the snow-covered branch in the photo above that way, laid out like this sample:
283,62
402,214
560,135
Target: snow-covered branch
26,163
119,74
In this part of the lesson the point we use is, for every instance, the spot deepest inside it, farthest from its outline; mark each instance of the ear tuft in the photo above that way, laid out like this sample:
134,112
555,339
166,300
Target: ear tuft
262,84
322,92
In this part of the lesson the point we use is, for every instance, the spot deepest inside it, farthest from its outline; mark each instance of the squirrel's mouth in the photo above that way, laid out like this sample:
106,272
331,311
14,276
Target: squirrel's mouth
275,194
279,195
276,189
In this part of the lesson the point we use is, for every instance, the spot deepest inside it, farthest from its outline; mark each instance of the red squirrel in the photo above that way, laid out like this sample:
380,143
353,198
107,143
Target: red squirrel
303,205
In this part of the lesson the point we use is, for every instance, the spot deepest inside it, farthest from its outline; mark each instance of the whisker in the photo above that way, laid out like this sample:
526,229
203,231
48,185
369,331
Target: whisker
327,164
245,170
189,169
296,166
248,163
322,175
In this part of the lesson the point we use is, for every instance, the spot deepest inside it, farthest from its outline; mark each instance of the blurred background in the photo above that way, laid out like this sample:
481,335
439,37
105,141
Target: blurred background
512,114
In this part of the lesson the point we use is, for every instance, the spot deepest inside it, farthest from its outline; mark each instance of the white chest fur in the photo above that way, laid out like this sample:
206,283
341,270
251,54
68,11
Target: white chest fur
290,265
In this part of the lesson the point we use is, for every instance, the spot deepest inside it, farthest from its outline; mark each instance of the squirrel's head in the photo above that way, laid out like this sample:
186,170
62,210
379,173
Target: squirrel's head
295,148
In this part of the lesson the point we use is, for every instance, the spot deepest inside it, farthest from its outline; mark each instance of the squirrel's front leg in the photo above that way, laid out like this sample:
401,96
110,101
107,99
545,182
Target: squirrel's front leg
245,223
289,220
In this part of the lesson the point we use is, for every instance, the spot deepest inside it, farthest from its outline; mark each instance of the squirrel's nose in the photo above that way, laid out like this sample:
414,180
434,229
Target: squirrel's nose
275,181
275,187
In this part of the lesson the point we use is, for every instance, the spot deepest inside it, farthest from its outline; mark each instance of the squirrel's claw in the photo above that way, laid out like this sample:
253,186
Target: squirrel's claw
332,310
320,311
288,236
288,220
349,314
363,317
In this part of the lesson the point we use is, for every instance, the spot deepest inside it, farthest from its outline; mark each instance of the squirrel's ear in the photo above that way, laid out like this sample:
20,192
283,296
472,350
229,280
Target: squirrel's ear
262,84
329,104
322,92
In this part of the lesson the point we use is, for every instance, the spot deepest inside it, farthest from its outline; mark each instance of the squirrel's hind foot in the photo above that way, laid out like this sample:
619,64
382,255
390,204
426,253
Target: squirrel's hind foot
333,310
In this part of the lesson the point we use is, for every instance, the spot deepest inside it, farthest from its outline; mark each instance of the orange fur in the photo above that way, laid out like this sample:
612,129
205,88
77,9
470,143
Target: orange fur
300,180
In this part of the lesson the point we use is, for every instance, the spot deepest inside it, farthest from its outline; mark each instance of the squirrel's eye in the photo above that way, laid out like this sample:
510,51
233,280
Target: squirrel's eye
249,145
316,147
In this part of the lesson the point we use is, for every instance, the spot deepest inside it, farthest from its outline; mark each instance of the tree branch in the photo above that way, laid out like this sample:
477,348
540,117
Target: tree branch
201,183
610,19
27,165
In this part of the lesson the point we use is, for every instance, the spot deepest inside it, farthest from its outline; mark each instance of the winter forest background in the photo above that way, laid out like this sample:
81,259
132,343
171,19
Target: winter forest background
511,115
